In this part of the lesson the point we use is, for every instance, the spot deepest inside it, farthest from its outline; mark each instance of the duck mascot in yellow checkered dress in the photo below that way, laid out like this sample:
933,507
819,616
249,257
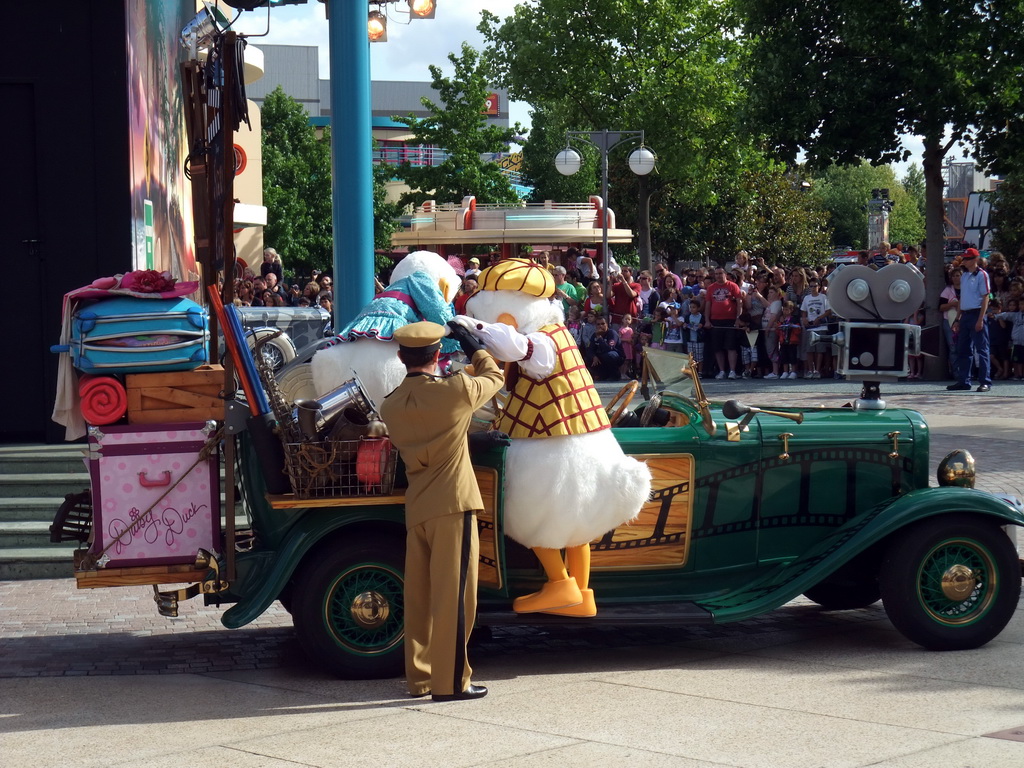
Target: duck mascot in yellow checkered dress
567,481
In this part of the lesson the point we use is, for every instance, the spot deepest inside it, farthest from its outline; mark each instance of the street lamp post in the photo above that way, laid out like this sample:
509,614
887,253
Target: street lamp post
641,162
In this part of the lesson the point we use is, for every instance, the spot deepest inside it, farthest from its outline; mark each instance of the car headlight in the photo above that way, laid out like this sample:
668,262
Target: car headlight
957,469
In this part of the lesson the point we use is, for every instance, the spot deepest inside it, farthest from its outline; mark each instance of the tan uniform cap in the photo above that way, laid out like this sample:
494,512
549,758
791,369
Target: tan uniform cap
418,335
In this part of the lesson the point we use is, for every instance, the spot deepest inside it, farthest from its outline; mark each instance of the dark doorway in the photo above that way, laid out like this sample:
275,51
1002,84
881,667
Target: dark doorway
24,385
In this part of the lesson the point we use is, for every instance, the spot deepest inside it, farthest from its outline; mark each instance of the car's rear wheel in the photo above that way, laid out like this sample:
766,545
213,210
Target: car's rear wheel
951,582
348,609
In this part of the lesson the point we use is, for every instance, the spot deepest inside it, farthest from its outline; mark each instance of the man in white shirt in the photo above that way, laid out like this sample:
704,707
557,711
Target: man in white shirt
972,332
814,313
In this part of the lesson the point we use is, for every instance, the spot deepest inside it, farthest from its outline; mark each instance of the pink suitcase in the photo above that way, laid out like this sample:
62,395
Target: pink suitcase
136,467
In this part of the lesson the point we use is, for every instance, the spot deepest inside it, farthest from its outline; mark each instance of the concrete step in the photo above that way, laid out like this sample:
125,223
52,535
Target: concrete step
47,562
41,458
39,508
24,533
36,484
43,560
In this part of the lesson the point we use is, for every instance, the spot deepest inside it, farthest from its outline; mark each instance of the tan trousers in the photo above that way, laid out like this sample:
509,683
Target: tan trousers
440,603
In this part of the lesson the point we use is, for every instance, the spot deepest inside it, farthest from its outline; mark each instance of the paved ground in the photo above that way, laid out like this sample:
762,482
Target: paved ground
96,678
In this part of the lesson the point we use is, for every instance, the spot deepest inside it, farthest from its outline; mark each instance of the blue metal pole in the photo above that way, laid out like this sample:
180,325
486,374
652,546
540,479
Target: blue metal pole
351,159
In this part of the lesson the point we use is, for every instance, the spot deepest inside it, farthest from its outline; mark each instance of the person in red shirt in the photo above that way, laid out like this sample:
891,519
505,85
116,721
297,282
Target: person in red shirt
469,287
623,293
722,306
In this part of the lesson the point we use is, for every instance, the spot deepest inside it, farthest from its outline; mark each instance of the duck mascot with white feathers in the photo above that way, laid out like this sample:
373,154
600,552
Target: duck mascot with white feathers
422,287
567,480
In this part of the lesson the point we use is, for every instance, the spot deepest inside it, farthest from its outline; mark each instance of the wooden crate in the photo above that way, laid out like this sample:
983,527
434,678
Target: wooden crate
140,575
163,398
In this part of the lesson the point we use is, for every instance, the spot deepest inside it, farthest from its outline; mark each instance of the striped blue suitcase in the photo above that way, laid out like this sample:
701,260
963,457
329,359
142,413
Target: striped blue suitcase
130,335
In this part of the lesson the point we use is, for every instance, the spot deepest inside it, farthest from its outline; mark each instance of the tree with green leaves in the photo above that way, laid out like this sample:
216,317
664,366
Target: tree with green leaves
843,80
385,215
297,189
547,139
458,125
667,67
913,183
1008,217
670,68
296,185
844,191
906,221
781,221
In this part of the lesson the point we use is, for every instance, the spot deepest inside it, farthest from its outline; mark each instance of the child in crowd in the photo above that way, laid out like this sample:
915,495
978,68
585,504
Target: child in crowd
748,350
788,332
916,362
674,332
587,331
575,325
1015,317
694,334
643,341
659,327
998,340
769,321
1016,289
626,333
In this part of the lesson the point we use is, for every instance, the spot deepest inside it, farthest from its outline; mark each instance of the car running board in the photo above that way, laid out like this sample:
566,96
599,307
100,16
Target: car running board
623,615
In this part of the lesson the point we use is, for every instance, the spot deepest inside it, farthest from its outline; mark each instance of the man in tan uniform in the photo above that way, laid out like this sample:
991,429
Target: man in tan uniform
428,417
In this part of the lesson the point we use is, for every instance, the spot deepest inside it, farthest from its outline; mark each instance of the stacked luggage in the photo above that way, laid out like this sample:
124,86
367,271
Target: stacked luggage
151,401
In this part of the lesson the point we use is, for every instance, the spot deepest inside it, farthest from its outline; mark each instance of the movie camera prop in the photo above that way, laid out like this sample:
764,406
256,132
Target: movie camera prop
874,344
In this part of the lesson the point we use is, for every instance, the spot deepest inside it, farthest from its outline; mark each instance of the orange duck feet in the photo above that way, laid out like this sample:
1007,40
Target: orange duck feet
584,610
552,596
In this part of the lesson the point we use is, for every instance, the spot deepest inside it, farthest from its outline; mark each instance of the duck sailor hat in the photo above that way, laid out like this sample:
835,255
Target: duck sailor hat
521,275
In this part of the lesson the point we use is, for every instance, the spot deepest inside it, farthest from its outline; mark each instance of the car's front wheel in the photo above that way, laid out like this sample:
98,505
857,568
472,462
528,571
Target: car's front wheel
349,612
951,582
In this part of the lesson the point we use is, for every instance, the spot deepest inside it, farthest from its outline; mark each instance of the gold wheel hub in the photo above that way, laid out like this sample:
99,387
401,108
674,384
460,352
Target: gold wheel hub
370,609
958,582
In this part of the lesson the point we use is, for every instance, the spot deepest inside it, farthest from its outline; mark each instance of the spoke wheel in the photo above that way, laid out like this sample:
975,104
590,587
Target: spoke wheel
957,581
349,611
626,396
951,582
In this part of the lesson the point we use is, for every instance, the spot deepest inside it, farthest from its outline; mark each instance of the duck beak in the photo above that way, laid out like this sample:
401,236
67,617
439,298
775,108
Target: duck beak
445,287
508,319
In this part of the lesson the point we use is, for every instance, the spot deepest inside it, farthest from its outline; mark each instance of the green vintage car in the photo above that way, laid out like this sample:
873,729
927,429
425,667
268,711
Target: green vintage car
750,509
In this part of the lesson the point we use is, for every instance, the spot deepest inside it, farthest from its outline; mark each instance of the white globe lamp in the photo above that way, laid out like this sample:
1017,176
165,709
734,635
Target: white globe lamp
642,161
568,161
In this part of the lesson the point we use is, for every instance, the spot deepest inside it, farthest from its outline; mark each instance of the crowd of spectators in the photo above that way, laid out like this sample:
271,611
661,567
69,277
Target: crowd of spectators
747,318
269,288
743,319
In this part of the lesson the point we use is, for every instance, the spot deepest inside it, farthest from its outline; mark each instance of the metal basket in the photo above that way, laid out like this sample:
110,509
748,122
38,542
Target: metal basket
321,469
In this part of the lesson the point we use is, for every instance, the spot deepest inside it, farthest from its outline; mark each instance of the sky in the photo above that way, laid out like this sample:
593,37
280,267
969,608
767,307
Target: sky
411,47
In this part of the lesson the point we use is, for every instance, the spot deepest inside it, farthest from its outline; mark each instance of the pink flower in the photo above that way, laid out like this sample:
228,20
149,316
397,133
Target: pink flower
148,281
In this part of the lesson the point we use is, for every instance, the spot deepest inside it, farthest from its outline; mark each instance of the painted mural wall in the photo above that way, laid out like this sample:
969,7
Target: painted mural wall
161,200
